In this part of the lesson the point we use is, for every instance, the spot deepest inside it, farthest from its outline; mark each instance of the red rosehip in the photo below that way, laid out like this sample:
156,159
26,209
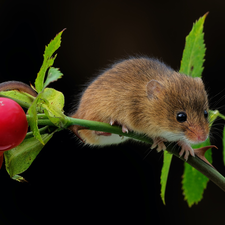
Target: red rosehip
13,124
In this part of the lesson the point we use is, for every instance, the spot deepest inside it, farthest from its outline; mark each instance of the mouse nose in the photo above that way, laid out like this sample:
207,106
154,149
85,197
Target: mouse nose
198,136
202,135
202,138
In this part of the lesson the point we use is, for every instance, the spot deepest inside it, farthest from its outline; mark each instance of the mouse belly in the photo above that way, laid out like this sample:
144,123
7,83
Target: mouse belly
91,137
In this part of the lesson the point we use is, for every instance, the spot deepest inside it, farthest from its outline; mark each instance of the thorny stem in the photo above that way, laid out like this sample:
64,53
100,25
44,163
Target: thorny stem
195,162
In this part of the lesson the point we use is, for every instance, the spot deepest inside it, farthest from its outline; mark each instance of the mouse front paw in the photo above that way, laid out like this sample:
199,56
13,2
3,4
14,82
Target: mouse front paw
185,148
160,143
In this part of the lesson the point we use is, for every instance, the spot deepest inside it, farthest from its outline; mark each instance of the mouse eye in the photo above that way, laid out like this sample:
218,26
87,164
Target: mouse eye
181,117
206,114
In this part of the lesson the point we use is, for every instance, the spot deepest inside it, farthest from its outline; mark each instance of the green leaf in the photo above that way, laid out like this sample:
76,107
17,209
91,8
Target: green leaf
164,174
194,182
48,61
53,103
33,120
19,159
194,51
213,114
53,75
22,98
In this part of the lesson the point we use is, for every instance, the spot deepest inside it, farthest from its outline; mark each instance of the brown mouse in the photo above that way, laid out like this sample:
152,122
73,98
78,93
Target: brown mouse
145,96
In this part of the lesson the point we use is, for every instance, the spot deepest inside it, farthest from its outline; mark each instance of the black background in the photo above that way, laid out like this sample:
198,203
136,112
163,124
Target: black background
72,184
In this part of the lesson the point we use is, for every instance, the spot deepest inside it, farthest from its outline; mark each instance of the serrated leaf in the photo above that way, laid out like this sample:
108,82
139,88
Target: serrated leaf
48,61
194,182
194,51
19,159
53,75
164,173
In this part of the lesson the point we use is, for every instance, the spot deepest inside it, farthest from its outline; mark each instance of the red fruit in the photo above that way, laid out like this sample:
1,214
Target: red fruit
13,124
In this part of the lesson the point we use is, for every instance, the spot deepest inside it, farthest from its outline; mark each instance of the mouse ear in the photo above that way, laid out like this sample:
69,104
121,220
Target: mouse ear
153,88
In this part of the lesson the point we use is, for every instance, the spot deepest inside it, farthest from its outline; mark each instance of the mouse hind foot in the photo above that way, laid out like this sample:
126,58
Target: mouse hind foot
159,143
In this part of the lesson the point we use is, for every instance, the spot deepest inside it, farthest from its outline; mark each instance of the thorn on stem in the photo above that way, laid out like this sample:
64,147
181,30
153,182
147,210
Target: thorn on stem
200,152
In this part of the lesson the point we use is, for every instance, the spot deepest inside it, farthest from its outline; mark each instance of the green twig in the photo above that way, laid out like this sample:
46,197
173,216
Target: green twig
195,162
99,126
42,120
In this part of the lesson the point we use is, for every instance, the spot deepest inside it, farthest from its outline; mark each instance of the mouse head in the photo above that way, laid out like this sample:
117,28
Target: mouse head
182,105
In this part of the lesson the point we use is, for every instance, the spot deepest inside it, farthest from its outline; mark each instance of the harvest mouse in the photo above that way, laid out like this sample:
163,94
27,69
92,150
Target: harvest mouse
145,96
